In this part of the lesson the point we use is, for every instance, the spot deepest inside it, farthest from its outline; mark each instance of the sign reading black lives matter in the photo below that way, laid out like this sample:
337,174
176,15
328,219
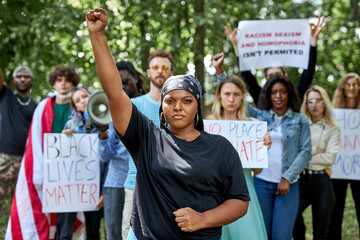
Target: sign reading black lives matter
273,43
71,173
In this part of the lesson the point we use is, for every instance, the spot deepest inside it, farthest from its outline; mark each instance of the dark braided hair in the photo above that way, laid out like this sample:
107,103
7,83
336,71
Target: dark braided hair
125,65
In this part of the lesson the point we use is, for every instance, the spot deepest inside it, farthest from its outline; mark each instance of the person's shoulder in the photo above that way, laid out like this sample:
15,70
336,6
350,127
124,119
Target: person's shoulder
302,117
333,128
139,99
6,91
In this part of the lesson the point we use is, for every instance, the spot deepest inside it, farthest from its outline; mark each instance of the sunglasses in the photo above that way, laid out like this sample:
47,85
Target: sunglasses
349,86
164,68
315,101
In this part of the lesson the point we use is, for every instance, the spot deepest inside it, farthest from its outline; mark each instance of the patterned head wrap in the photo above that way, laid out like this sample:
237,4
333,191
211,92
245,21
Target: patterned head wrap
190,84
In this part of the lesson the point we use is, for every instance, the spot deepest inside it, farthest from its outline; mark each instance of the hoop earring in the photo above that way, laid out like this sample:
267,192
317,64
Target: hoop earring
163,120
197,119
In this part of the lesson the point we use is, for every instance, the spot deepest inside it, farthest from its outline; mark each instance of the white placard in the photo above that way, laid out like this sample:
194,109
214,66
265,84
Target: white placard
273,43
347,165
247,137
71,173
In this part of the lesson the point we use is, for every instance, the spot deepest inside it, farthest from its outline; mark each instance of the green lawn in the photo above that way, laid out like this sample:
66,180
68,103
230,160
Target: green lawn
350,226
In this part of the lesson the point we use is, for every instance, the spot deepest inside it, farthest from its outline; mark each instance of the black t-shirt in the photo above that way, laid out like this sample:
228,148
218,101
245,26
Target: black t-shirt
173,173
15,121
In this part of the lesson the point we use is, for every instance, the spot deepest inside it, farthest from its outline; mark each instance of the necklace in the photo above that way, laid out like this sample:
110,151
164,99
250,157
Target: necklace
21,102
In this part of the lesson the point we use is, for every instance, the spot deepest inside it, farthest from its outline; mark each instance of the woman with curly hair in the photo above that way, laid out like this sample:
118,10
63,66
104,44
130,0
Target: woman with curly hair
277,186
230,105
346,96
315,183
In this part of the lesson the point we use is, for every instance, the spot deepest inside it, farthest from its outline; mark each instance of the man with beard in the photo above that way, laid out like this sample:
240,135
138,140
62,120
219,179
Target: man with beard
16,111
161,65
27,221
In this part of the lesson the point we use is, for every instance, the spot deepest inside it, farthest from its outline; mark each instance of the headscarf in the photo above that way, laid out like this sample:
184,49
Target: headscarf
190,84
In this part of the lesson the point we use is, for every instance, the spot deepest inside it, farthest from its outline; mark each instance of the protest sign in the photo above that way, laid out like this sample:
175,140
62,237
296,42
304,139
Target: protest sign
71,173
273,43
247,137
347,165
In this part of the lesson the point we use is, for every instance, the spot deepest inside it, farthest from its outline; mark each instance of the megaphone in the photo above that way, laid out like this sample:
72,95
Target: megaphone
98,108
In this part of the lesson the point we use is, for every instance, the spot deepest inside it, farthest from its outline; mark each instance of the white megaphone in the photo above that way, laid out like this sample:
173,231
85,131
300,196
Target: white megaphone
98,108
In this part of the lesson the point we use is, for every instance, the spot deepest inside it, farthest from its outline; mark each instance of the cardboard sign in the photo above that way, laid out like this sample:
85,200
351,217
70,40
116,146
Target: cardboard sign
347,165
71,173
247,137
273,43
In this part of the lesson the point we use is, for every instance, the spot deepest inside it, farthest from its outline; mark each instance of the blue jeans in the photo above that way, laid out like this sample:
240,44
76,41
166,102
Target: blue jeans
279,211
113,210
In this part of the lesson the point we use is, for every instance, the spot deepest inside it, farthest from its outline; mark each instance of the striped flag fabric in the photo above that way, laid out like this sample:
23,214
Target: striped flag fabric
27,221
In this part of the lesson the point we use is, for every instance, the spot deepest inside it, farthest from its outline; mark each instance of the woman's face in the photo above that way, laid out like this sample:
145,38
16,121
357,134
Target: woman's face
231,97
180,108
316,105
80,99
279,97
351,89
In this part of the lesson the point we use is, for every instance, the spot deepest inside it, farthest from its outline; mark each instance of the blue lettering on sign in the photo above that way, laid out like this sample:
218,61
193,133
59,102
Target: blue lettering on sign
349,164
245,130
90,170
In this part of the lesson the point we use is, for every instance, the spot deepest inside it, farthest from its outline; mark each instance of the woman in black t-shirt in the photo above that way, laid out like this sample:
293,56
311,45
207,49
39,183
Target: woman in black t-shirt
187,185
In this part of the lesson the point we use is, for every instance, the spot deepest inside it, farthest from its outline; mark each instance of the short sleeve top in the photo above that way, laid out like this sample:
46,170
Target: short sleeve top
174,173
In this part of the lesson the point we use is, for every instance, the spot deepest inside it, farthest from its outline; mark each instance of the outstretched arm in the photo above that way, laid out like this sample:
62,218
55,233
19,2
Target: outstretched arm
119,102
250,80
308,74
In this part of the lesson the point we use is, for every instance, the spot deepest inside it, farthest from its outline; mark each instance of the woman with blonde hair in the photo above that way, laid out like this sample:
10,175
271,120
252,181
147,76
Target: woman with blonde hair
346,96
230,105
347,93
315,184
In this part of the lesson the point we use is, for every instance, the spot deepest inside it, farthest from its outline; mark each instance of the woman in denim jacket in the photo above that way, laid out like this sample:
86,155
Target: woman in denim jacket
276,186
78,124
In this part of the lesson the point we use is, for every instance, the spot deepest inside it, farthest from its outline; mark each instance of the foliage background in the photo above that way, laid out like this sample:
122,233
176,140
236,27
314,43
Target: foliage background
44,33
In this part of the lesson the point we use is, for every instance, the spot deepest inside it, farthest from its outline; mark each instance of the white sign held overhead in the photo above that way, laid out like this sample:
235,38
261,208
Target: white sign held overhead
273,43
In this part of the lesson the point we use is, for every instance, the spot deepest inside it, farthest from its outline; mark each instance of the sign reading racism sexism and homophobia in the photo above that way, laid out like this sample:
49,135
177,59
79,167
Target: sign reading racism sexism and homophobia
347,165
247,137
71,173
273,43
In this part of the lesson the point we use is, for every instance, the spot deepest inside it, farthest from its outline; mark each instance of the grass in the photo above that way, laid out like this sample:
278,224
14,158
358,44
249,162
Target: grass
350,229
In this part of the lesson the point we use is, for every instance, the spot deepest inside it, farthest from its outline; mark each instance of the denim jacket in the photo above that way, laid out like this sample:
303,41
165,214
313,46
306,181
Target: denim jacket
113,151
296,140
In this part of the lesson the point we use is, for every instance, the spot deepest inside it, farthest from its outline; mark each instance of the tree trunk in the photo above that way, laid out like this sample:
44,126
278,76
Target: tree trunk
199,46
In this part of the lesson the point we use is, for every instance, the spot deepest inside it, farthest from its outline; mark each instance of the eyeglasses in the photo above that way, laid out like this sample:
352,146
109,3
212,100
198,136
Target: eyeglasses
164,68
315,101
349,86
126,81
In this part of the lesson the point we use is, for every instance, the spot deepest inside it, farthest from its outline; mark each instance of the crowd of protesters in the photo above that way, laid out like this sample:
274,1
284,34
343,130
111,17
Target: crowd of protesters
161,175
